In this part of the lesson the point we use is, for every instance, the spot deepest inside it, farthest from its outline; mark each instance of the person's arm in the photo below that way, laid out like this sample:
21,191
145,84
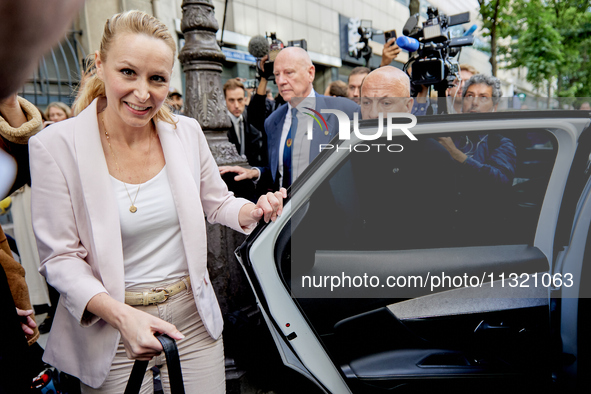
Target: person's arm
220,206
499,169
256,110
455,153
11,111
19,119
137,328
268,207
61,251
28,325
242,173
262,88
389,53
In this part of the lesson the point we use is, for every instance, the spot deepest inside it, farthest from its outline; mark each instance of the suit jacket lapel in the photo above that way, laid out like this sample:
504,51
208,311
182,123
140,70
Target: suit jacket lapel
186,195
275,139
100,202
319,135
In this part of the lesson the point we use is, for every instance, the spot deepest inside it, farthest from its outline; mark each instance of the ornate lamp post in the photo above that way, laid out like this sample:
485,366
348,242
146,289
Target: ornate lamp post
201,58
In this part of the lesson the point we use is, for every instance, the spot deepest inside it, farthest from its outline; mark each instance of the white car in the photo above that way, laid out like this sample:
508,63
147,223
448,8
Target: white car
404,271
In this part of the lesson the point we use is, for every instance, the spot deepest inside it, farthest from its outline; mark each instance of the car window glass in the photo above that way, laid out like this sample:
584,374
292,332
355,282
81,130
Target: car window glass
380,199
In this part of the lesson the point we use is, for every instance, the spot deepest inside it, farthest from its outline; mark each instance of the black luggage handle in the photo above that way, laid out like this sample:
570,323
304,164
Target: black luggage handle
174,368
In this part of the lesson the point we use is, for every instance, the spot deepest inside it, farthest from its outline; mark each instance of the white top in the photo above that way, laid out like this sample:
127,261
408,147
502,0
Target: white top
300,151
152,244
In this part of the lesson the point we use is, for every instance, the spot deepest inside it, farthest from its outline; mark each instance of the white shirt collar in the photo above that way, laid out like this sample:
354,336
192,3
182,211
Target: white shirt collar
305,102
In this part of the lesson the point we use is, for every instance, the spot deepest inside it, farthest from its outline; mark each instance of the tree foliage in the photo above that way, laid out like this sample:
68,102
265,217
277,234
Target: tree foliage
550,38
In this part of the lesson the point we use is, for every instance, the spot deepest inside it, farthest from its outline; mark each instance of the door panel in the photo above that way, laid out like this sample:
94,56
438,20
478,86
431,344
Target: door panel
396,216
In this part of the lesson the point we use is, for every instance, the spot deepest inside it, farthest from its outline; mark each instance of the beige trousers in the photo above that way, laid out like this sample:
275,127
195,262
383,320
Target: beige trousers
202,358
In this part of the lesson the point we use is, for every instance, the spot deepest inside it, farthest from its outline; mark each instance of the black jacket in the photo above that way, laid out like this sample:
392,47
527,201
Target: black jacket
255,140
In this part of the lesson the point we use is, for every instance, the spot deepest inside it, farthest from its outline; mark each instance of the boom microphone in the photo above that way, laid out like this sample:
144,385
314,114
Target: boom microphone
408,43
258,46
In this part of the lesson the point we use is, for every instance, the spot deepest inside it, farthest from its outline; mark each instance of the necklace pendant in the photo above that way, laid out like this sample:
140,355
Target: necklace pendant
133,209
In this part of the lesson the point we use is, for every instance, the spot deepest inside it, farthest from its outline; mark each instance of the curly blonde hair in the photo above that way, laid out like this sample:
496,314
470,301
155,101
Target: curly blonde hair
136,22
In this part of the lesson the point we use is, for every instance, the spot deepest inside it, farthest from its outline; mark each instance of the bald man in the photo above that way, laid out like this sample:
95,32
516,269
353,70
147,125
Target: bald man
417,178
290,149
386,89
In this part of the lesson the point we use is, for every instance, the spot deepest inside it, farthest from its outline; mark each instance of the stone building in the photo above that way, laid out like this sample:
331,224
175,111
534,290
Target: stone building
326,25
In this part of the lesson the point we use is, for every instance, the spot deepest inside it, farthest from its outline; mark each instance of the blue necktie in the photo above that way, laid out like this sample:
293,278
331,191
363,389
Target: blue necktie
287,171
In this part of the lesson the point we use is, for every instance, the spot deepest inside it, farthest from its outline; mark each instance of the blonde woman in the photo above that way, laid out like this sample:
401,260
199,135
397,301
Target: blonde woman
56,112
119,197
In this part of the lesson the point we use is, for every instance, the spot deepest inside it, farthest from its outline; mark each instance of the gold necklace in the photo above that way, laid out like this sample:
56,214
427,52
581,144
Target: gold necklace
132,208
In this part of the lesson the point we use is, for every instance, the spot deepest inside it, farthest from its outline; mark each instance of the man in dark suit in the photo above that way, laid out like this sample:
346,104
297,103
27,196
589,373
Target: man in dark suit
290,147
248,139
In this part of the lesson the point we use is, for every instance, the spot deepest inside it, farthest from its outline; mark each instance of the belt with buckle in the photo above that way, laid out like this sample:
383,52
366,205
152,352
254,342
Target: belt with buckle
156,295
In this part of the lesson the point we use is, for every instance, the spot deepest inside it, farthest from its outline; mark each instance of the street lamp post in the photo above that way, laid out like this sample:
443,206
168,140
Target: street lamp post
201,58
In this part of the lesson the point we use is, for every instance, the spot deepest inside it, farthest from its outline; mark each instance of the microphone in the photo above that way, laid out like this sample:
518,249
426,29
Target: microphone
258,46
408,43
470,30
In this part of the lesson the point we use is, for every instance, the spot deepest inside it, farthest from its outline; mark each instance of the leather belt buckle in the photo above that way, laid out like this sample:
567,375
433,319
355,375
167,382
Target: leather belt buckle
158,290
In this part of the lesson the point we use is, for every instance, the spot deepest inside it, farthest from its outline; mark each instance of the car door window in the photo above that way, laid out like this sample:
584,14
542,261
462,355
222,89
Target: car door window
422,198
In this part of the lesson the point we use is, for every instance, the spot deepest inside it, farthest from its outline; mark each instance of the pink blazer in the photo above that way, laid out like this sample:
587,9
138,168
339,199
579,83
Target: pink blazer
76,223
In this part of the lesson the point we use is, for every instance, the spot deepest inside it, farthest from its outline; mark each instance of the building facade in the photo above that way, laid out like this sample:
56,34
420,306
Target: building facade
329,28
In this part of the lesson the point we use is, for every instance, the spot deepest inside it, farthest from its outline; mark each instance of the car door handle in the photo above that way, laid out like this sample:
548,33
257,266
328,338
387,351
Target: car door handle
482,326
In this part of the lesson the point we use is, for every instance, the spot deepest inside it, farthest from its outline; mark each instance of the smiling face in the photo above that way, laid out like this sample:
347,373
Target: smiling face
57,114
294,73
136,74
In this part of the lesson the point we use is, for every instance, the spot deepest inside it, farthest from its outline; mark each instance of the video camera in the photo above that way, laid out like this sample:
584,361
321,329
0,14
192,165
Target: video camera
359,38
434,63
259,46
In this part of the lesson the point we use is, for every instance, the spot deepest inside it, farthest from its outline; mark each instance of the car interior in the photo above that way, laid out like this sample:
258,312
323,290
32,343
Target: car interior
425,214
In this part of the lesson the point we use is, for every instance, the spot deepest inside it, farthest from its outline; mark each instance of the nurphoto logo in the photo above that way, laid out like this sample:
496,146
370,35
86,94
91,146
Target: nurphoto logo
345,129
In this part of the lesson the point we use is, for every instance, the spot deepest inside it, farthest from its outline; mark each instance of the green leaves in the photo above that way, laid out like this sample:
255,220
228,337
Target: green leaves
550,38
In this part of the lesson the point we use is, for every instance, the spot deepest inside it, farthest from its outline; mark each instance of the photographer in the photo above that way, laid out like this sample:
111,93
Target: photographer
454,93
390,51
260,107
485,166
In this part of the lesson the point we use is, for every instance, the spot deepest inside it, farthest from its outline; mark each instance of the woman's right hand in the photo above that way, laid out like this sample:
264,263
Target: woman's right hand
137,328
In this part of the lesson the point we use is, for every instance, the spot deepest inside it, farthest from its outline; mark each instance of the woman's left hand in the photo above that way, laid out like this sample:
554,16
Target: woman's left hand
268,207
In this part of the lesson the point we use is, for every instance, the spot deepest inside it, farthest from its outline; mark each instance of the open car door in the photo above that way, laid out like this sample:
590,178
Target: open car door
398,269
